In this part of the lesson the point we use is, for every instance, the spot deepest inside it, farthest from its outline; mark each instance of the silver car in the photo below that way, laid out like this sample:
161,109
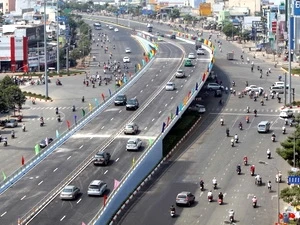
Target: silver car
97,187
131,128
180,74
133,144
185,198
11,123
70,192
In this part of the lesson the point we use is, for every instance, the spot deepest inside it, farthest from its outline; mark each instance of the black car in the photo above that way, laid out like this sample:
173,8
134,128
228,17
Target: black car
132,104
44,144
102,158
173,36
121,99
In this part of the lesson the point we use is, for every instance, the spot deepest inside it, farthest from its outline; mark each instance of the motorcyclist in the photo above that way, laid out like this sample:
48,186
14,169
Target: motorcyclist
82,99
283,129
214,181
222,121
258,179
269,153
255,112
254,200
209,194
221,196
252,169
232,142
240,125
269,185
172,208
238,168
56,110
23,127
73,108
231,214
12,134
273,136
278,177
248,109
245,159
58,117
201,183
262,102
236,138
286,121
247,119
233,83
227,131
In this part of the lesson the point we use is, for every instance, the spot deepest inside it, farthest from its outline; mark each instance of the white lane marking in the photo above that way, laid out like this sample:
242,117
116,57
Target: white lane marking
117,159
176,93
120,111
156,75
145,128
55,169
3,214
69,157
159,112
23,197
274,196
151,80
172,96
79,200
181,86
141,91
153,119
102,128
40,182
105,171
81,147
62,218
166,105
147,85
111,119
91,138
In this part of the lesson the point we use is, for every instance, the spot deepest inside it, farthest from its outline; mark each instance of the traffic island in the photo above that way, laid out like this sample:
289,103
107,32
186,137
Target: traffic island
34,96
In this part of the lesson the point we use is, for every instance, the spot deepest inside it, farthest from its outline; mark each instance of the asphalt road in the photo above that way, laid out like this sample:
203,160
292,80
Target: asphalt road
207,154
64,97
150,122
27,192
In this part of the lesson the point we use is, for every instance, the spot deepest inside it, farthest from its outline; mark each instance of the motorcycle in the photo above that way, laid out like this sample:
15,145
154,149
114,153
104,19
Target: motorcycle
210,198
222,122
172,213
269,155
73,108
245,162
232,144
283,131
215,185
231,219
201,187
254,204
278,178
220,201
247,120
12,135
41,123
273,138
238,171
236,139
241,127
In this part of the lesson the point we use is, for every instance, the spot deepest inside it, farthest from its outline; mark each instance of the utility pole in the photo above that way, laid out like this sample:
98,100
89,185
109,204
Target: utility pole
67,57
45,49
57,39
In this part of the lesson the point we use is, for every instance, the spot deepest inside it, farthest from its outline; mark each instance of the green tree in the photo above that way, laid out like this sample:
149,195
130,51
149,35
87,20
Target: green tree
229,30
187,18
175,13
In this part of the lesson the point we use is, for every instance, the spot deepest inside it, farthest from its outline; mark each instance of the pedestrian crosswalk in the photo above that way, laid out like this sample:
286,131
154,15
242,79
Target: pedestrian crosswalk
236,110
245,63
53,108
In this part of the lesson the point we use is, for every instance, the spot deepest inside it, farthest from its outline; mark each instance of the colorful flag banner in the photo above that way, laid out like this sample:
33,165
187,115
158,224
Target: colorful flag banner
83,112
83,223
23,161
90,107
37,149
150,141
4,176
133,161
75,119
46,141
177,111
96,101
163,127
103,97
109,91
68,124
172,115
116,184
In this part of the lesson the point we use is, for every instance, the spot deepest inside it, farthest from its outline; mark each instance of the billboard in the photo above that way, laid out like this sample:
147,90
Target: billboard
205,9
296,8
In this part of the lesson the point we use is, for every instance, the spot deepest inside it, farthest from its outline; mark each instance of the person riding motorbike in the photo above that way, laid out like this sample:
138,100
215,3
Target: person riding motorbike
222,121
221,196
232,142
245,160
56,110
252,170
247,119
255,112
269,153
269,185
283,130
258,179
227,132
210,195
262,102
172,208
273,137
201,184
240,125
214,181
236,138
278,177
254,201
238,168
12,134
248,109
231,215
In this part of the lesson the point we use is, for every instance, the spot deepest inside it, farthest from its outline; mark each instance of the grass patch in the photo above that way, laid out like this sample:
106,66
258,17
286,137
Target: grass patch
293,70
178,131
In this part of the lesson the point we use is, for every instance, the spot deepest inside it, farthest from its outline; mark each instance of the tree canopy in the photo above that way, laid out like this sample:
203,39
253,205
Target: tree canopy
229,30
175,13
10,94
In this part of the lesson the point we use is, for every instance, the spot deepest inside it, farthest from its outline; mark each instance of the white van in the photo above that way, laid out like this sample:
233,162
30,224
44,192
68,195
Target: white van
263,127
277,89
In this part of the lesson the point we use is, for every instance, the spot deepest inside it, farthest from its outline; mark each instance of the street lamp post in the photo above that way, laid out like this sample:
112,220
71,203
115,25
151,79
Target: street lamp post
45,49
57,40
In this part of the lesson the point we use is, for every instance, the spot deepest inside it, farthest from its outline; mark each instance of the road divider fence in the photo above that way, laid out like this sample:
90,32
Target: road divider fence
151,160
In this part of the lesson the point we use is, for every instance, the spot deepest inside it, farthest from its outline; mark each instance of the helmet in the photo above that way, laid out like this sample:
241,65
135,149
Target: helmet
254,196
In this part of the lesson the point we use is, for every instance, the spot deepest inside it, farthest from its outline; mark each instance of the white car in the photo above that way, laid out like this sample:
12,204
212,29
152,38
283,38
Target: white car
197,108
191,56
170,86
254,88
116,30
180,74
127,50
286,113
133,144
200,51
126,59
110,27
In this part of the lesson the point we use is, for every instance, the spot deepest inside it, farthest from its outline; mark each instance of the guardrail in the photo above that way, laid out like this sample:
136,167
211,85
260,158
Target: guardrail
149,162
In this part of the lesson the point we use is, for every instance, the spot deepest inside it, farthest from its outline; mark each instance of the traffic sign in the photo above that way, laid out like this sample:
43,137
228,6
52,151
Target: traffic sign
294,179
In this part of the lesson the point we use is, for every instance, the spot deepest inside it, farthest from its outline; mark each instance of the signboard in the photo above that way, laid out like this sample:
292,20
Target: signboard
297,8
294,179
205,9
291,42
